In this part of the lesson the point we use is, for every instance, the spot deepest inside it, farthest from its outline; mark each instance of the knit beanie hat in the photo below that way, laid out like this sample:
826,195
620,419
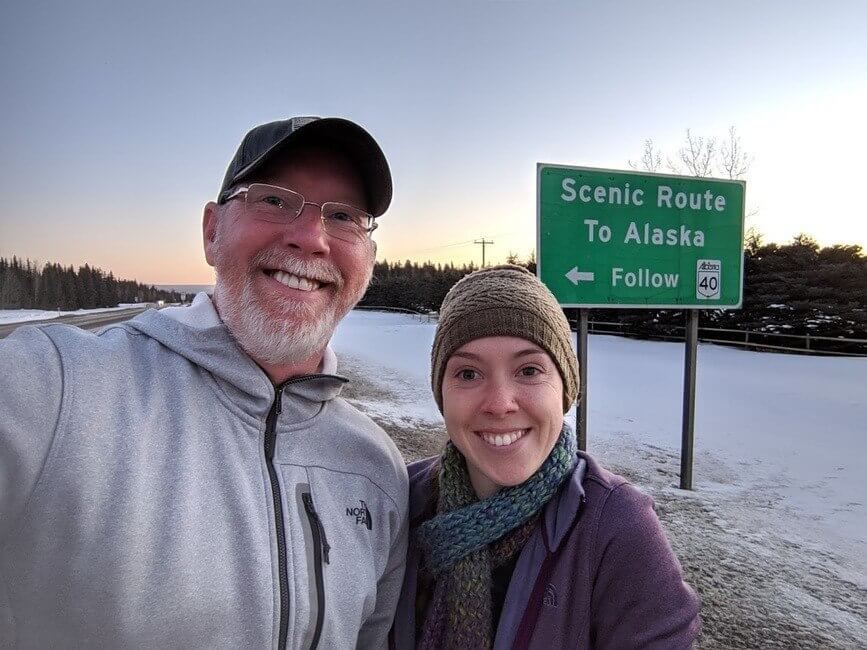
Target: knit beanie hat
505,300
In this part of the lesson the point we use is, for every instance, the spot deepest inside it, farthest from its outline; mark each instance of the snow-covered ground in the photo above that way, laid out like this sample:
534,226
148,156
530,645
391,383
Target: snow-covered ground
29,315
774,535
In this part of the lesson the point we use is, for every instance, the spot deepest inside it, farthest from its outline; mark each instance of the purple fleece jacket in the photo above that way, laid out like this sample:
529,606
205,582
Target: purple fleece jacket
598,572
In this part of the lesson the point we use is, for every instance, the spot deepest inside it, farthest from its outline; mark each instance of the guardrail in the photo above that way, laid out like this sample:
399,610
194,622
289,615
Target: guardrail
399,310
752,339
426,316
749,339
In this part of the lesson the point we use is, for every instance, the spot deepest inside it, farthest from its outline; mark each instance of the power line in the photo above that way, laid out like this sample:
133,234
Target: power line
467,242
433,248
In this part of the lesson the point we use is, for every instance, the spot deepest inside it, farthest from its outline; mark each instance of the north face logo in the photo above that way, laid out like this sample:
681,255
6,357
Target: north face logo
362,515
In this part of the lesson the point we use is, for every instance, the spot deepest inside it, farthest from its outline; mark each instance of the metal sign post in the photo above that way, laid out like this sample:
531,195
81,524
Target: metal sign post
687,431
626,239
581,406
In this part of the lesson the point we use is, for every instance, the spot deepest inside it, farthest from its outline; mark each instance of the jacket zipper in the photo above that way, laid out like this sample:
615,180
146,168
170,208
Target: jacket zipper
270,444
320,555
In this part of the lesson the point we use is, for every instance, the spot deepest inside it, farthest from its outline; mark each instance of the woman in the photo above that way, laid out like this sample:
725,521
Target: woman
518,540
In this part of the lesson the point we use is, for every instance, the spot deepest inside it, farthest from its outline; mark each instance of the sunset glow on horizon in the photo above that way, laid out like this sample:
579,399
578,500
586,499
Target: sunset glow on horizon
112,144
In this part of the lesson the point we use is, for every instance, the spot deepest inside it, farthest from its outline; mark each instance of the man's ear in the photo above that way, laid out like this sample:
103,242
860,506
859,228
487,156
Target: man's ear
209,230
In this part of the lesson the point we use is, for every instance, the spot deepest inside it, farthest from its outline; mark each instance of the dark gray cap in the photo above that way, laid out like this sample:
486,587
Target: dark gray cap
266,142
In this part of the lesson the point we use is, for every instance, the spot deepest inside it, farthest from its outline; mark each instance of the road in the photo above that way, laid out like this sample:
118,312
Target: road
84,321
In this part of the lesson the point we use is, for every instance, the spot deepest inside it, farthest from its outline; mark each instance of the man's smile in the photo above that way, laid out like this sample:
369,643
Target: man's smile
294,281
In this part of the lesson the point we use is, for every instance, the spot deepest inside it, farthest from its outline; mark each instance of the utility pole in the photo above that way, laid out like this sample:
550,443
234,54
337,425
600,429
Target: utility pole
483,243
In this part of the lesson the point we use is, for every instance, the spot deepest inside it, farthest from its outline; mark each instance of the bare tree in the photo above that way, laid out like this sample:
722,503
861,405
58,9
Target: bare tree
733,160
753,240
700,156
696,156
651,158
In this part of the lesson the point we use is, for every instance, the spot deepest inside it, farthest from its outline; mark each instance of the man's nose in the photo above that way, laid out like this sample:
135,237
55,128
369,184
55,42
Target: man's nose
306,232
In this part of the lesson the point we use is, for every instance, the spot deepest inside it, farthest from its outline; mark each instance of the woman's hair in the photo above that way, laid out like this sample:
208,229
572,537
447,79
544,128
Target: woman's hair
504,300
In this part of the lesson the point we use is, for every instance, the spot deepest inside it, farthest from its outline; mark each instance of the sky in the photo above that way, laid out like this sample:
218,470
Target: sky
118,119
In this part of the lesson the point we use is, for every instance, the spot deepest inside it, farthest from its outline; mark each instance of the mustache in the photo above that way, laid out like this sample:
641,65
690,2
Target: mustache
318,270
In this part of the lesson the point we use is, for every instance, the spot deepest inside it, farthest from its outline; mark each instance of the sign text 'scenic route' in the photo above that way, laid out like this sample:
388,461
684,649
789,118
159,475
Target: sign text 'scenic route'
611,238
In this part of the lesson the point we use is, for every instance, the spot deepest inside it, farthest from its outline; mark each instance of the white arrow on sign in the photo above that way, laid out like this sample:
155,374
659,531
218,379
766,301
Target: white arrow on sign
577,276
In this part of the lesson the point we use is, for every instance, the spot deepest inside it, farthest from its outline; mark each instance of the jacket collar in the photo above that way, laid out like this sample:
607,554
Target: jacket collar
421,476
197,334
561,511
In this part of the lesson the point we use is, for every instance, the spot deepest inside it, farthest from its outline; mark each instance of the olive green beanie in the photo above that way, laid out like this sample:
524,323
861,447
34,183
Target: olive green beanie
504,300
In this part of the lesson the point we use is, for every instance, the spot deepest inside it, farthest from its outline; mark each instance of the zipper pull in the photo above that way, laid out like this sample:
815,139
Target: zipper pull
325,547
311,510
278,400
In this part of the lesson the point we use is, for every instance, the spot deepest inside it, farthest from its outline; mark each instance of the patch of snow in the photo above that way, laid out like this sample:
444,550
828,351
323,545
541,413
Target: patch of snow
778,438
25,315
394,350
28,315
772,537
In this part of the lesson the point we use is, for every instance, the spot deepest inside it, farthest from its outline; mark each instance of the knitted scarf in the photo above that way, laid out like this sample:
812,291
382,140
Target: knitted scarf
467,538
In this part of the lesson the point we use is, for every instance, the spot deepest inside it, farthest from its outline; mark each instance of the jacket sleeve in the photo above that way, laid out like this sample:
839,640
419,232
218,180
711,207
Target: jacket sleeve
374,632
31,386
639,597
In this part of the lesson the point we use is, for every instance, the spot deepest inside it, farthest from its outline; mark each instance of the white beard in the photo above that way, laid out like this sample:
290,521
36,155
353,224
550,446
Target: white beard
297,334
276,341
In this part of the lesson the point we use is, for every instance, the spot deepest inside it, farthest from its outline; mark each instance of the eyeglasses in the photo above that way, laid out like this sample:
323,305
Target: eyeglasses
279,205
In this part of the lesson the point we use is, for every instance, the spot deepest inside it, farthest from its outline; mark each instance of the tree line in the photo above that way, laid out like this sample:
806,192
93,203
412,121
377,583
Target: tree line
795,288
413,286
26,285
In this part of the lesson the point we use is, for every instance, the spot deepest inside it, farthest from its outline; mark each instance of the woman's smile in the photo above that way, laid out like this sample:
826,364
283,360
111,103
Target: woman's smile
502,438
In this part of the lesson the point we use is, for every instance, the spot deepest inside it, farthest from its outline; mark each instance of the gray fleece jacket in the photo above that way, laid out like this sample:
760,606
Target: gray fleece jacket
158,491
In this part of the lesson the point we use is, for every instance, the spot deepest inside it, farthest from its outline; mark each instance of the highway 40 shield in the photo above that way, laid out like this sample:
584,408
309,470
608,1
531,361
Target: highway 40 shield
708,283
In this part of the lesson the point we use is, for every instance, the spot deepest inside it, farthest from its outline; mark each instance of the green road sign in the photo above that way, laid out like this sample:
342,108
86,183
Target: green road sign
611,238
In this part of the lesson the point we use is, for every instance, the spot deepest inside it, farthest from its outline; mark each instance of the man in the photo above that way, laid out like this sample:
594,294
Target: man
191,478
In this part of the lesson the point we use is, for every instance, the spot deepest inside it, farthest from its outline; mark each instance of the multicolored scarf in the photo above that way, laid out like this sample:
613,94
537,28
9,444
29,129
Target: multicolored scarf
467,538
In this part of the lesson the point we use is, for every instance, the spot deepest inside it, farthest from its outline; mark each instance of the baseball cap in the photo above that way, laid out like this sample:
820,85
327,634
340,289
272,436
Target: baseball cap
266,142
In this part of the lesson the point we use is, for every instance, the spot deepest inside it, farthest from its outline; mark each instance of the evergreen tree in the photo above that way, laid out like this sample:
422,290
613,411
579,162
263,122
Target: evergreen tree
23,285
10,289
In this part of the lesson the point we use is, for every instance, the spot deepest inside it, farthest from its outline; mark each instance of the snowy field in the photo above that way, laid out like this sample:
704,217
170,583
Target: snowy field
773,537
30,315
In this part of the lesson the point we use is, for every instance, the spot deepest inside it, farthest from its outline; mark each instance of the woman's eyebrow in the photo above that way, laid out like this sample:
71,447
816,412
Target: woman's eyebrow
528,351
467,355
520,353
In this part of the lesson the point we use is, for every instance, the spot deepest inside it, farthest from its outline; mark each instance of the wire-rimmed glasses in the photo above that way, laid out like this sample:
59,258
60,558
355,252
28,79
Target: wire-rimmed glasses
282,206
